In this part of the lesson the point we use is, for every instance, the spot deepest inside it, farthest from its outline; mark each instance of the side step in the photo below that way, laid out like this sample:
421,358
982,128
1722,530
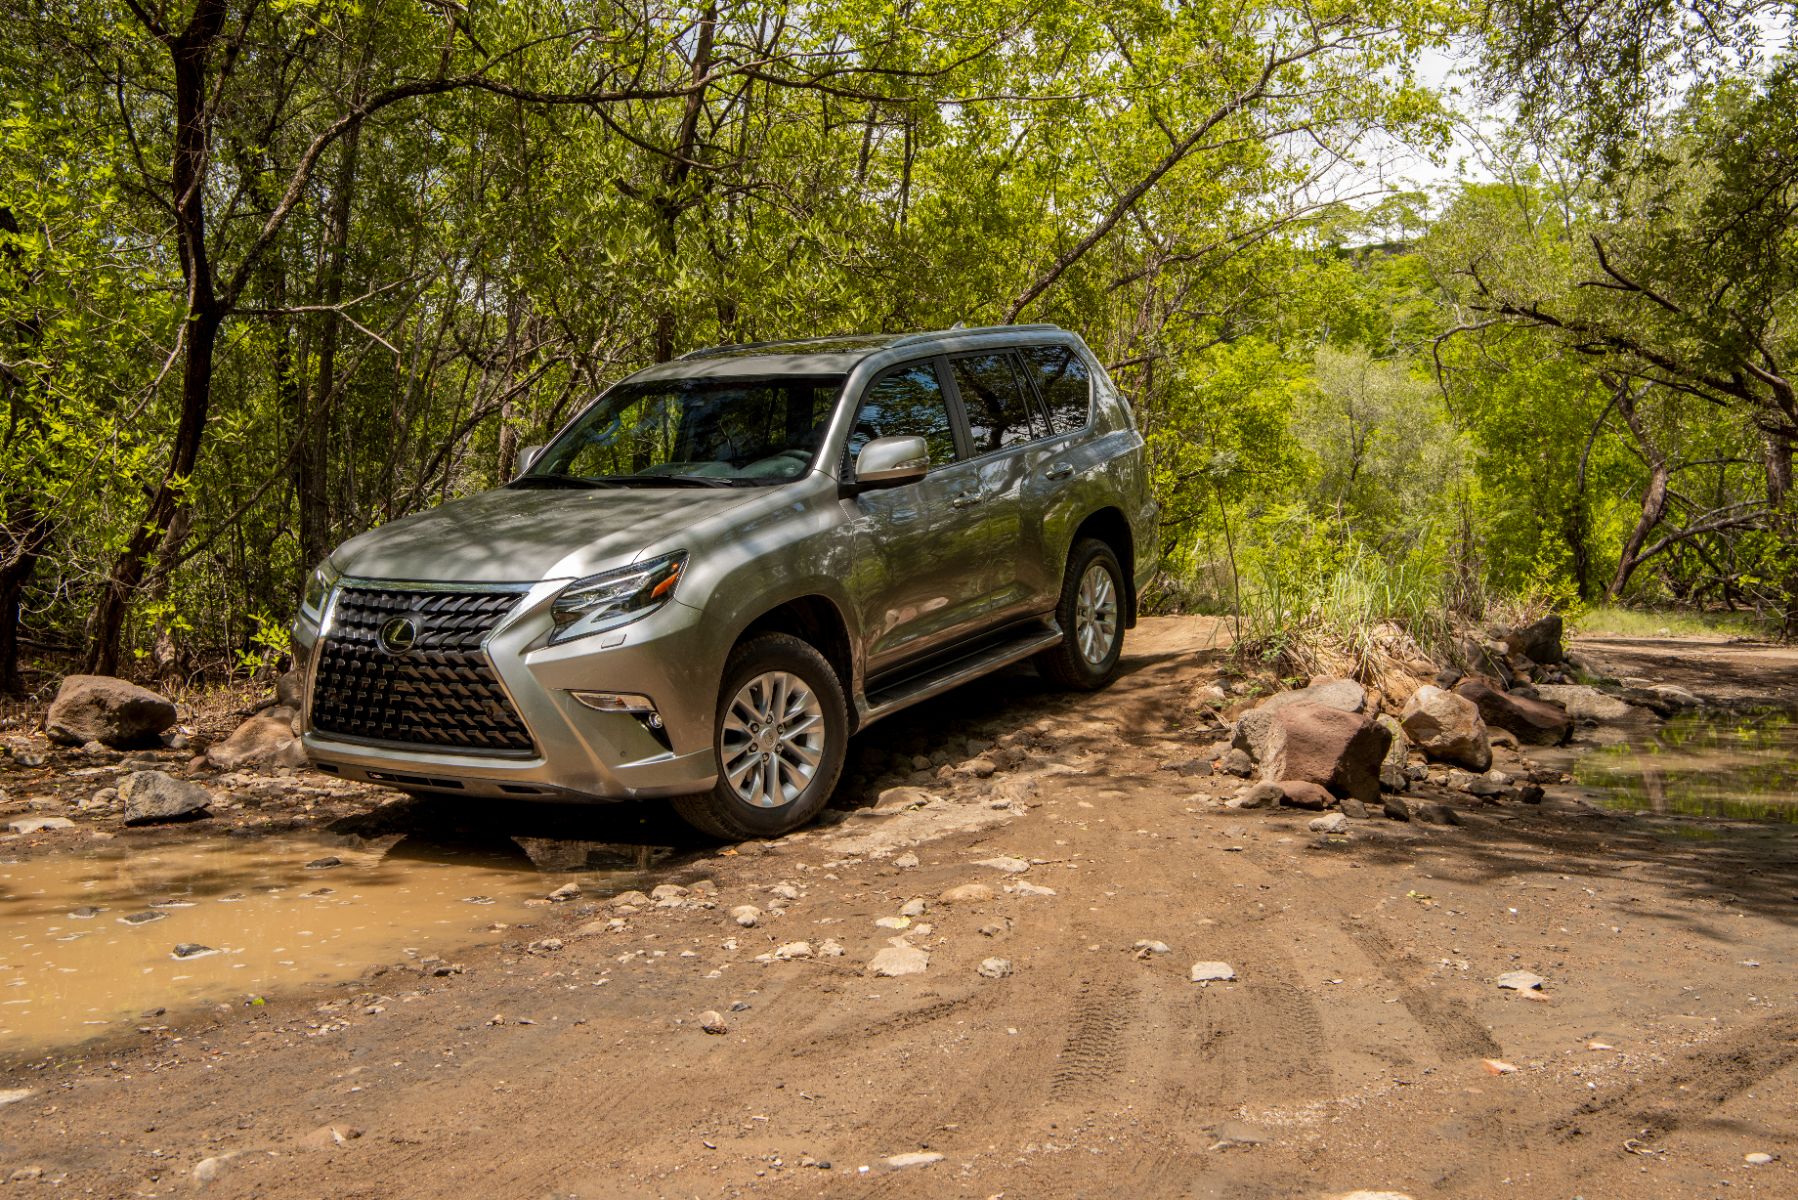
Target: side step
942,676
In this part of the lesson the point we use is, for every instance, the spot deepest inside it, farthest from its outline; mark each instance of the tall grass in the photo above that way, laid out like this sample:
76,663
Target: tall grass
1364,616
1636,622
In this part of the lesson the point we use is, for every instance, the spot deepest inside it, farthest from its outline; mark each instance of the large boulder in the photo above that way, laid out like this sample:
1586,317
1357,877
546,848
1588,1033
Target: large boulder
99,708
290,689
1315,743
1344,694
1447,727
152,796
1539,641
1535,722
265,741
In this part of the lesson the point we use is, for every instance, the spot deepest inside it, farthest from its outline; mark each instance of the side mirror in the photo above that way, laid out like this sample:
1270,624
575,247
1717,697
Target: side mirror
527,457
891,461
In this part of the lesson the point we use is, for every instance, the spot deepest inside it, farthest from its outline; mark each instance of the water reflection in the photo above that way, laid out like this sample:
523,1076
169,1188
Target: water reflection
90,942
1704,765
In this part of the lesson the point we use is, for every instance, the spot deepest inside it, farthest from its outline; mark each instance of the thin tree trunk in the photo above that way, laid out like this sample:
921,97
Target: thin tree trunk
190,52
1654,496
27,533
312,464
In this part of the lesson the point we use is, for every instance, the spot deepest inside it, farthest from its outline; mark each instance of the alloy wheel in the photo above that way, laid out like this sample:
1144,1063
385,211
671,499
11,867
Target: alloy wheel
772,739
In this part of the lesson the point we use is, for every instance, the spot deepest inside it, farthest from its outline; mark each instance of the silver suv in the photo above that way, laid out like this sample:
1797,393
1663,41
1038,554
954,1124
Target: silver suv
727,564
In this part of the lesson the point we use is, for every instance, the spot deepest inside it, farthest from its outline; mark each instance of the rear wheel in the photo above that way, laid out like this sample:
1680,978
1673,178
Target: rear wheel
780,733
1091,616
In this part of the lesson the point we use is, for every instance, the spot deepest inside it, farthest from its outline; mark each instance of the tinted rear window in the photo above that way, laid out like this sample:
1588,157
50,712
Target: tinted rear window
1064,383
999,411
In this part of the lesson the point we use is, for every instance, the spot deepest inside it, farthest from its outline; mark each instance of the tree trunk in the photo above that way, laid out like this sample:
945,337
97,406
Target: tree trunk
1654,496
27,533
313,430
190,51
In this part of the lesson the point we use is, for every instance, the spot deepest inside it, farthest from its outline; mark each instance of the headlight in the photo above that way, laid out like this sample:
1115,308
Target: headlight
318,591
615,598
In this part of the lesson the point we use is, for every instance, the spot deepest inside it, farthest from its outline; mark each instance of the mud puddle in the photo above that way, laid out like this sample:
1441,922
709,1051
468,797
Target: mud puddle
1701,765
91,943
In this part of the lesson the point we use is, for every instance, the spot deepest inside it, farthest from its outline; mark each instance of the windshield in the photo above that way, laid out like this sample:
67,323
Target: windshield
692,432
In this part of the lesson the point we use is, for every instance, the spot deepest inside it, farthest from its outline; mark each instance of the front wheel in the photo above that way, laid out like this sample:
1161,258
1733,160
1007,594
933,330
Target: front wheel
1091,616
780,733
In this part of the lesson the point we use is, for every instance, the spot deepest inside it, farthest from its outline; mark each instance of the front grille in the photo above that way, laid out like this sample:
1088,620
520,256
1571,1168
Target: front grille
439,692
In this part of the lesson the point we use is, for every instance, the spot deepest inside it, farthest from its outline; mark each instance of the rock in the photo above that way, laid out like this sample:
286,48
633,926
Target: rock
1447,727
994,968
1331,823
793,950
1394,779
906,861
902,959
329,1137
665,892
152,796
1353,808
1675,696
1438,814
899,799
966,893
1314,743
630,899
1530,793
99,708
1238,763
913,908
1344,695
1006,863
1588,704
746,915
14,1095
192,950
1520,981
1024,887
290,689
329,862
712,1021
258,742
39,824
103,799
1300,793
25,1174
1534,722
917,1158
1145,947
981,768
1539,641
1212,972
1260,795
142,918
568,891
1759,1158
1395,808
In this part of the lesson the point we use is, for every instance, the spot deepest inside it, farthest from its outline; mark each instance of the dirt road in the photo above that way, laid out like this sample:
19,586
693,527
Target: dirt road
1348,1053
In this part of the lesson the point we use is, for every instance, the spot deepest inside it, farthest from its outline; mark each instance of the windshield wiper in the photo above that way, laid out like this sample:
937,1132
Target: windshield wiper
683,481
561,481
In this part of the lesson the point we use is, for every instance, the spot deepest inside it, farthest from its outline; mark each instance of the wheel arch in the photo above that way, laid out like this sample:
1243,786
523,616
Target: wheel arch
815,619
1111,526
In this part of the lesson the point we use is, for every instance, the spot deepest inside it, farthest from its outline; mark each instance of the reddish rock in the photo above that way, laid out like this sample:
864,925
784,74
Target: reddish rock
1302,793
1534,722
1313,743
1448,728
99,708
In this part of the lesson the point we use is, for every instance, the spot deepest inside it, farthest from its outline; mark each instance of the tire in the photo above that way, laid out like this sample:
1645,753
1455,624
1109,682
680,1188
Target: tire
762,789
1076,664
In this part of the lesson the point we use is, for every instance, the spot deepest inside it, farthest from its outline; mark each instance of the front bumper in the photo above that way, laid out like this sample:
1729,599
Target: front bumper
578,753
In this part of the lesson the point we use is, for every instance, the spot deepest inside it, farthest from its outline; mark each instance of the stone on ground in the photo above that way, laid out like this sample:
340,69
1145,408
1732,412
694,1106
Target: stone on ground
99,708
258,742
1302,793
893,961
1343,694
1338,750
1539,641
1447,727
1589,704
1534,722
152,796
1212,972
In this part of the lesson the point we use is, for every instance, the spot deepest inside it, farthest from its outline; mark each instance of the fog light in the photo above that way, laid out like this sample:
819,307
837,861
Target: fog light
618,702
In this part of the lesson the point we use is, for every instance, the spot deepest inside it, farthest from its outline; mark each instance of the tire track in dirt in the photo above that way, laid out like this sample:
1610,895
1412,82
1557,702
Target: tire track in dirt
1454,1030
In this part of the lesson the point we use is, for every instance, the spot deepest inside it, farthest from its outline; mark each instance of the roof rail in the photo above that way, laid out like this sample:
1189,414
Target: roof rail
910,339
970,331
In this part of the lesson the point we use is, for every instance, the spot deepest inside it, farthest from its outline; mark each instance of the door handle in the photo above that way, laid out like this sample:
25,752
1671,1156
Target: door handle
968,499
1060,470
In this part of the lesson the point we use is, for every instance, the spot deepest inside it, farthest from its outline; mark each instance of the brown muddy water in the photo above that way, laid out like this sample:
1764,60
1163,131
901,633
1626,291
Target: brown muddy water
1741,766
97,943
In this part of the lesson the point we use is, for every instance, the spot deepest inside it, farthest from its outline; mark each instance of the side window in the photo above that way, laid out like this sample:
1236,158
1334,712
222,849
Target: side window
1062,379
999,413
905,401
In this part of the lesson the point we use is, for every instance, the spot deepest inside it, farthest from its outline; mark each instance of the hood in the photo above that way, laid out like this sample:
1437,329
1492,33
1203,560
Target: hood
525,535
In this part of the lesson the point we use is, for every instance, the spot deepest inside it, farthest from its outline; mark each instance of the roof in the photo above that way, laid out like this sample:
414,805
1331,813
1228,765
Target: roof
838,354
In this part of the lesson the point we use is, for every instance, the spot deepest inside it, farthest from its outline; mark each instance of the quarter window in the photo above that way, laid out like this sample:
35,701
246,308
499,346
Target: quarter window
999,412
1063,382
907,401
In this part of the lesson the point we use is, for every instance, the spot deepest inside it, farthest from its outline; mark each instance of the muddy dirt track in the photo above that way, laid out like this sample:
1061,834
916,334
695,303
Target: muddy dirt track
567,1059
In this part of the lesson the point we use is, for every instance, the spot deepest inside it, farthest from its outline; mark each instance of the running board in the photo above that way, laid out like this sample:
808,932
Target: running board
952,674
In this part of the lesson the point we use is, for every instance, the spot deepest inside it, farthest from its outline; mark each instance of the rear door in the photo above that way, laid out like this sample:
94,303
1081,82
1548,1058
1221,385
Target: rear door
1059,492
1003,426
917,576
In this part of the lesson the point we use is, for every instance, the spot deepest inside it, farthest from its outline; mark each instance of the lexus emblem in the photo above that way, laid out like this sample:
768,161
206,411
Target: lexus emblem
399,635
